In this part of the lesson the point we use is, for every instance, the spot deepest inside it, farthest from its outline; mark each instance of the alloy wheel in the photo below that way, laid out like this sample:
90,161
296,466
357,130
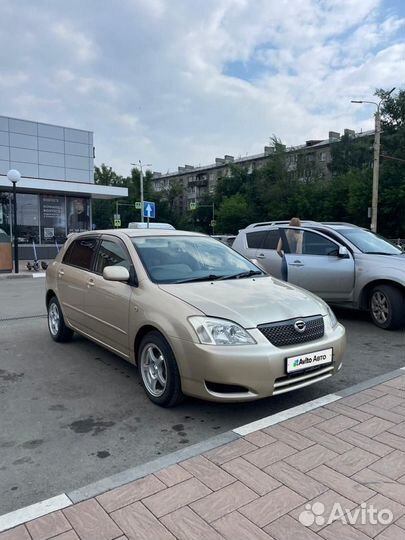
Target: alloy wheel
153,370
54,319
380,307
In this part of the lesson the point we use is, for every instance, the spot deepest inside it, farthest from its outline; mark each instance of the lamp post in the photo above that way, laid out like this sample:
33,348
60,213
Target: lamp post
376,160
141,165
14,176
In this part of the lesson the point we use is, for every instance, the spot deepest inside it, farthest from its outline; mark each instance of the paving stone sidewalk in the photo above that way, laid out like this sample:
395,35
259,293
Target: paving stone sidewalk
279,483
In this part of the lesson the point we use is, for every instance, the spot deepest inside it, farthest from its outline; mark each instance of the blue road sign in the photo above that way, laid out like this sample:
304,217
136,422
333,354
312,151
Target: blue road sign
149,209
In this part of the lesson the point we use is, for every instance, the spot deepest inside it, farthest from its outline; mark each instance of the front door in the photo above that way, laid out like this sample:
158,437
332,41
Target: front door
107,302
314,263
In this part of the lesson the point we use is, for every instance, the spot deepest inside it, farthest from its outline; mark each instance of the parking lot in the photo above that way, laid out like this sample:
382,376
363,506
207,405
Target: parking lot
74,413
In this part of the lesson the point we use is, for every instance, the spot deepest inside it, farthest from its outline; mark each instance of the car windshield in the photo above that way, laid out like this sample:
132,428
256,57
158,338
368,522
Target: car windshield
181,259
369,242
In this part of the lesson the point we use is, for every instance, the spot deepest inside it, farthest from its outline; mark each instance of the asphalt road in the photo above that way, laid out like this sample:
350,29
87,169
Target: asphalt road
71,414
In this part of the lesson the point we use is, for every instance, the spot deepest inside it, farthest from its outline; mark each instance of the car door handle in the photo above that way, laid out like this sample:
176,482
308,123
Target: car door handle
296,263
90,283
261,256
61,273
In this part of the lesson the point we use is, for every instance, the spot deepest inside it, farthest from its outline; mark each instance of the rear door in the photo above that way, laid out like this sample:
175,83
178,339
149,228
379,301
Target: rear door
107,302
267,255
254,240
72,277
314,263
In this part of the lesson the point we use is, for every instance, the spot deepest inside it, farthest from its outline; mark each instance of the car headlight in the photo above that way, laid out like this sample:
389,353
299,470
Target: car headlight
332,317
212,331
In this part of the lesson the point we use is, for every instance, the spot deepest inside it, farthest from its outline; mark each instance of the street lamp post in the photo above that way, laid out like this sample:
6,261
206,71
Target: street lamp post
14,176
376,159
141,165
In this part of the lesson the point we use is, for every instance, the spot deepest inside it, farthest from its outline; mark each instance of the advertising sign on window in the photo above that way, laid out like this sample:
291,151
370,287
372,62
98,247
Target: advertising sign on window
78,212
53,218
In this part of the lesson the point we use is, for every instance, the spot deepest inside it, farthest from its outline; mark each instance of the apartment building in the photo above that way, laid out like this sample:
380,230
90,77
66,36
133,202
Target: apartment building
314,155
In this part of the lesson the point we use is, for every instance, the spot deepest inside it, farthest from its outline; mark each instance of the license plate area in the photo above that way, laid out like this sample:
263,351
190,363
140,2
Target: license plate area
308,361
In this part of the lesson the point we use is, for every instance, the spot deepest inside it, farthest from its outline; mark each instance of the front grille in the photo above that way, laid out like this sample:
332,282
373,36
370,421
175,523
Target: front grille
283,332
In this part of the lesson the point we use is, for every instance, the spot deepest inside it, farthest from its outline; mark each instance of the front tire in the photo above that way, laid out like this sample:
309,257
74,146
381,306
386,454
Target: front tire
158,371
56,323
387,307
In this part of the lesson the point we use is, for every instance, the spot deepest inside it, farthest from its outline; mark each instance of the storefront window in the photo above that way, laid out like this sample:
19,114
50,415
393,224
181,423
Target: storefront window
78,214
53,219
5,216
28,218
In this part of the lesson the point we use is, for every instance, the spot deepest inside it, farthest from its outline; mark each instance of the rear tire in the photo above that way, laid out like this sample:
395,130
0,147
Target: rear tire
56,323
387,307
158,371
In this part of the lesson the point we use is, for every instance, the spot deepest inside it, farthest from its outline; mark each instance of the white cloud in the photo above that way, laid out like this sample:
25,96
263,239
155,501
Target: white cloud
149,76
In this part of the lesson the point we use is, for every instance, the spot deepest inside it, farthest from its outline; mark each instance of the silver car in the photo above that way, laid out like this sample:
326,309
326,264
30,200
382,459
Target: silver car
343,264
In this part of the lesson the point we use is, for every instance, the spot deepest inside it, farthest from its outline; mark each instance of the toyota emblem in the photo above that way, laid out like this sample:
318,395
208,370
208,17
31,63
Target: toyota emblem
300,326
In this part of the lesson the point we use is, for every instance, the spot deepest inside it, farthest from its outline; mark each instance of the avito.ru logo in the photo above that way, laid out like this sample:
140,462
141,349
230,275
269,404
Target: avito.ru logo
364,514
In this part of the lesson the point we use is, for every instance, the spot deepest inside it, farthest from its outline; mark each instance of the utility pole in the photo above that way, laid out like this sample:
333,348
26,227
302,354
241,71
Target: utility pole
376,159
140,165
376,169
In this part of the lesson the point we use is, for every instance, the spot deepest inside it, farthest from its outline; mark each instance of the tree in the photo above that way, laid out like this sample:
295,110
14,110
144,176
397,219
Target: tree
391,210
234,214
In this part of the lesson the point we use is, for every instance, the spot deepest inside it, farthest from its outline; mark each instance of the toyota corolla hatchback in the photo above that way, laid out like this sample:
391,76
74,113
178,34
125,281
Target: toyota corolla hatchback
196,317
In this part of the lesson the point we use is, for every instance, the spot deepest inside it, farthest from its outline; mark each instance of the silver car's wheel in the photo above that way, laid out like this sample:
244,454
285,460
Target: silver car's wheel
387,307
153,370
54,319
380,307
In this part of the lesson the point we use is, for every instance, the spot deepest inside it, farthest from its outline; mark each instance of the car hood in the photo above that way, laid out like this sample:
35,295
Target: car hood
248,302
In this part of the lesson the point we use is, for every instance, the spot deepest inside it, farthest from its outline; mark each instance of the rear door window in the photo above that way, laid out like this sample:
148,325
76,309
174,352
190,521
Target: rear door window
271,240
255,239
80,253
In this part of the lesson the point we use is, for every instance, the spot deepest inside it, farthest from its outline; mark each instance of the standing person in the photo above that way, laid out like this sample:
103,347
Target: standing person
294,239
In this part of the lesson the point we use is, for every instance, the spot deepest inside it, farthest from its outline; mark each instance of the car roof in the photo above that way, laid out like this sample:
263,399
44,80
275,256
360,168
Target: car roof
132,233
278,222
336,225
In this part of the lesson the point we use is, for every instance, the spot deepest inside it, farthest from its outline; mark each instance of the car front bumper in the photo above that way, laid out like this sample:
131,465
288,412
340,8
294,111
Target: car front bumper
249,372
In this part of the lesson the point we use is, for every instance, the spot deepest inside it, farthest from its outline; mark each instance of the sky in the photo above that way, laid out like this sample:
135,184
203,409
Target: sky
174,82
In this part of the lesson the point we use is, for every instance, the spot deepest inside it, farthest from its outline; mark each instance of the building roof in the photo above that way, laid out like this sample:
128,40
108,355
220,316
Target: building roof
254,157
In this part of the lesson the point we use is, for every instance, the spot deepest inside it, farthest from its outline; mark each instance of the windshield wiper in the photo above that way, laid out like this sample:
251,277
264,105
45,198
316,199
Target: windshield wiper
249,273
210,277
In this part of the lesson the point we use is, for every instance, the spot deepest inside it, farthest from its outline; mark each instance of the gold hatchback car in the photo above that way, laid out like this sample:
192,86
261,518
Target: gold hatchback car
195,317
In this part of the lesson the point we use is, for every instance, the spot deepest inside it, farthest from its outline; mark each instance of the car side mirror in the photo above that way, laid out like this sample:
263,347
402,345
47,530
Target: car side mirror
115,273
343,252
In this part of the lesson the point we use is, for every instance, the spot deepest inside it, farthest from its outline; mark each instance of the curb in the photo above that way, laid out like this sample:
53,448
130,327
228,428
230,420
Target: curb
23,276
63,500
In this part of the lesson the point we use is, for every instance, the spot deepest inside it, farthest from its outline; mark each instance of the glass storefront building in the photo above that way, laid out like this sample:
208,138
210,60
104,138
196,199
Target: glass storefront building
55,193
